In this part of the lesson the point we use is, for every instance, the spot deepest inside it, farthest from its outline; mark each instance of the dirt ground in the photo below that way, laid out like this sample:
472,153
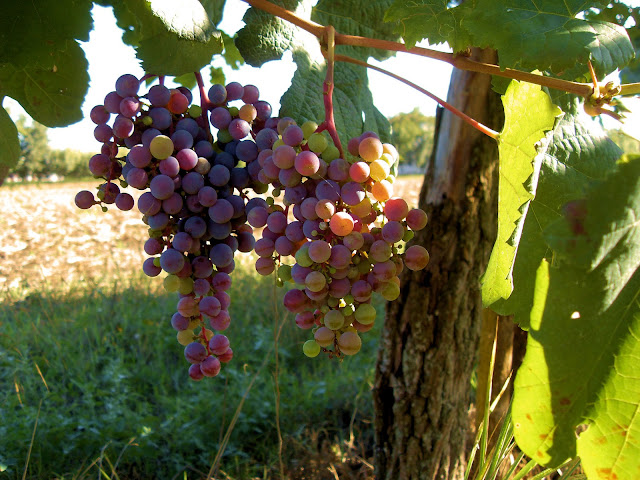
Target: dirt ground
46,240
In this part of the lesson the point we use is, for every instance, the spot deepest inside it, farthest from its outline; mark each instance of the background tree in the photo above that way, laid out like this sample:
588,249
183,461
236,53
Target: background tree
412,134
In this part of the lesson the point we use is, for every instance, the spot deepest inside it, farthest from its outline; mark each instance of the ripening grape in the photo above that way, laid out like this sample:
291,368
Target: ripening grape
311,348
349,343
324,336
416,257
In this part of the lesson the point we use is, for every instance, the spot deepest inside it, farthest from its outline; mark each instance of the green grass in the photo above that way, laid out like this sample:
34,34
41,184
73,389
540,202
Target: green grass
98,367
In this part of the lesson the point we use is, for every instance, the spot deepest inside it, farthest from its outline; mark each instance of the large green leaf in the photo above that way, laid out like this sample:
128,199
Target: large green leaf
546,35
30,30
9,143
581,365
430,19
170,38
576,156
266,38
52,94
528,34
519,168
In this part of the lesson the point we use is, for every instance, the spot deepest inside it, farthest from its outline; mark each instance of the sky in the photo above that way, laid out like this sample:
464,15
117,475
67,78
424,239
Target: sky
390,96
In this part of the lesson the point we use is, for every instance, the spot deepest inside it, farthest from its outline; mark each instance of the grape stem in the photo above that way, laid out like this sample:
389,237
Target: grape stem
205,104
458,61
329,123
474,123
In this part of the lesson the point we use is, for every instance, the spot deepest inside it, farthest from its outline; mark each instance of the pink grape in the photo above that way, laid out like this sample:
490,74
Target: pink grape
416,257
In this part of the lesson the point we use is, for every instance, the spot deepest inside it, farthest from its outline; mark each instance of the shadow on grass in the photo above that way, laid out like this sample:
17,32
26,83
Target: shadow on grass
113,384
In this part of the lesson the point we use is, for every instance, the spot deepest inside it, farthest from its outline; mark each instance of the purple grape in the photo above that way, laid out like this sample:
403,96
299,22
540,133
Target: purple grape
129,106
189,125
103,133
207,196
265,138
149,268
172,260
219,175
251,94
161,118
148,204
169,167
222,211
127,85
122,127
153,246
195,226
139,156
182,139
173,204
158,221
221,255
99,115
204,149
192,182
239,129
149,135
202,267
220,118
292,135
217,94
263,110
112,102
328,190
219,231
179,322
159,95
99,165
352,193
124,202
84,199
162,186
195,352
234,91
210,306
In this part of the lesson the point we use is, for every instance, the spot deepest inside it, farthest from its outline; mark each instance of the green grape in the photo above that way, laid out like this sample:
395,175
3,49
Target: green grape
308,128
224,136
195,111
156,261
365,314
333,319
317,143
310,348
284,272
234,111
186,285
171,283
161,147
330,153
390,291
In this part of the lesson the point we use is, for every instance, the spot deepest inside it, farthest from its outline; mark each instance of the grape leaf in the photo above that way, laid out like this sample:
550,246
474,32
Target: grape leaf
29,31
367,22
541,34
51,95
214,9
546,35
351,99
583,348
519,168
265,37
9,143
577,155
171,38
430,19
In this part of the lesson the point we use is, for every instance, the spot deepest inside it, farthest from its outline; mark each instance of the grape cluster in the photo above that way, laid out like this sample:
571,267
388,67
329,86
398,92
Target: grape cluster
347,235
194,200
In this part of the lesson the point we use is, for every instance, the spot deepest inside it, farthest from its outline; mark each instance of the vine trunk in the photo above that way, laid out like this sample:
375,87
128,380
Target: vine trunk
429,343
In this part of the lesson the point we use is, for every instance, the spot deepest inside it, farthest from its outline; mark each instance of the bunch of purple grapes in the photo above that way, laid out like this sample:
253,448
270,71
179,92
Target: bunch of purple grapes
347,236
194,200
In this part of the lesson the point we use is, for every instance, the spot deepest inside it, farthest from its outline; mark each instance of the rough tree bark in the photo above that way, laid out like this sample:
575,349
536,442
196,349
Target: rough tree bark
430,338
